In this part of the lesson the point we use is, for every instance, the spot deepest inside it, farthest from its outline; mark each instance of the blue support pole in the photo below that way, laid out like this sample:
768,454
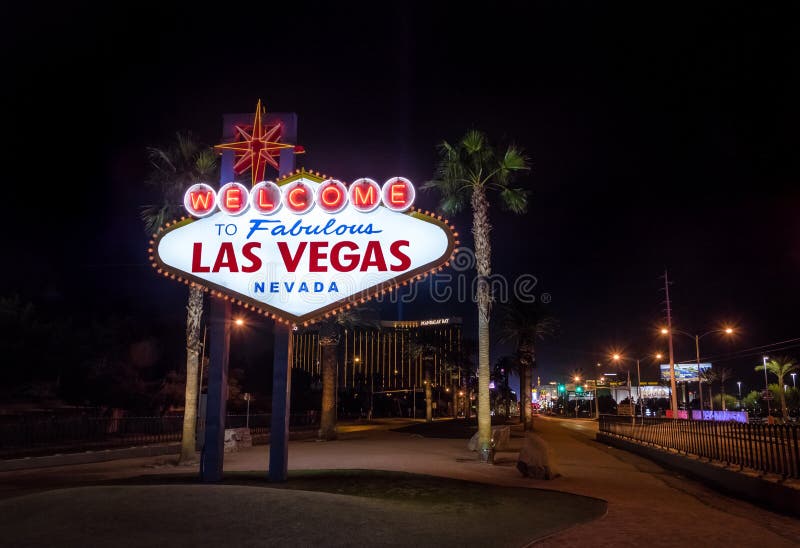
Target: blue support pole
213,448
282,356
281,403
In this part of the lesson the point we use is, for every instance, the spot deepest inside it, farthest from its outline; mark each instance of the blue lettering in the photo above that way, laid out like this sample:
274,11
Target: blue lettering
333,287
288,286
303,288
273,287
318,287
259,288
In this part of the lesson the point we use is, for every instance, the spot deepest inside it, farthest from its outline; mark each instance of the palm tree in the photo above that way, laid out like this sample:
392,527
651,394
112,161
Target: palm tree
780,367
709,376
523,324
330,334
725,374
172,171
423,348
466,173
502,370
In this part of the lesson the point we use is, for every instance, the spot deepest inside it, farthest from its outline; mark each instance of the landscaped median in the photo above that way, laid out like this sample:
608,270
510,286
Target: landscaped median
314,508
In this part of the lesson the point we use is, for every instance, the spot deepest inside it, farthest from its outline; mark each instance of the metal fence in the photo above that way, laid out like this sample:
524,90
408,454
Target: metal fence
767,448
27,436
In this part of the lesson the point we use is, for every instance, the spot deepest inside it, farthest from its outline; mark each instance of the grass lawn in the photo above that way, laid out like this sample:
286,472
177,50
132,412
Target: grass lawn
314,508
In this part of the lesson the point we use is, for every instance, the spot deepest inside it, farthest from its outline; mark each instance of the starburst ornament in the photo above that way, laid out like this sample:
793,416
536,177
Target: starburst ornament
258,145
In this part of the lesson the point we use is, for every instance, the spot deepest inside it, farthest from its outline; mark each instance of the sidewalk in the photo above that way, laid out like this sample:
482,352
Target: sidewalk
646,504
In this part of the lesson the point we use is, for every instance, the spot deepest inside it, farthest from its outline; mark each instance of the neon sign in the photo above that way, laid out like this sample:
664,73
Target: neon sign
304,246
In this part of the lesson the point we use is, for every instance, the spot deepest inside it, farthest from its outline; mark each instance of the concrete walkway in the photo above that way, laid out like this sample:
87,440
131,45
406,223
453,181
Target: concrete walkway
646,504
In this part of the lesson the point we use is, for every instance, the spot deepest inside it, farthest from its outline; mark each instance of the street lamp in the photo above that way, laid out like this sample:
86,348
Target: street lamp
725,330
767,395
618,358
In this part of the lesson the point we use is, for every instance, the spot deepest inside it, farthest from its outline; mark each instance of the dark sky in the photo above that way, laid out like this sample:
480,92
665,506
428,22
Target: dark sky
660,137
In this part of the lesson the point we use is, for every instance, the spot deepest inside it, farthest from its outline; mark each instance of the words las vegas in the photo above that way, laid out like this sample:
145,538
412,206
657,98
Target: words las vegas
340,253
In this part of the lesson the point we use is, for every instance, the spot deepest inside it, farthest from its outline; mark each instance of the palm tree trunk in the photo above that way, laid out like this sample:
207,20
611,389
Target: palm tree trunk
483,262
428,397
784,409
526,395
327,424
194,313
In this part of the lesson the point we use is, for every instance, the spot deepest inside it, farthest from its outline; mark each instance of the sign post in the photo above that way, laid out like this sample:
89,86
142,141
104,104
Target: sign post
296,250
216,401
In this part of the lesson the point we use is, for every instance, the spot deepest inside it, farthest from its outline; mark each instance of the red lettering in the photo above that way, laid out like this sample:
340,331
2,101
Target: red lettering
291,262
350,258
397,194
233,199
201,201
249,254
316,255
297,198
405,261
265,203
226,258
364,198
373,256
197,251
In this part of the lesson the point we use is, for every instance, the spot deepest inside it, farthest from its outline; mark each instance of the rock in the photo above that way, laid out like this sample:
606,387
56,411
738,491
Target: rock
536,459
236,439
500,437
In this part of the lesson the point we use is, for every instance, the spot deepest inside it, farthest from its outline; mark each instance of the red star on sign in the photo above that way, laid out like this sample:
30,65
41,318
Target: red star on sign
258,146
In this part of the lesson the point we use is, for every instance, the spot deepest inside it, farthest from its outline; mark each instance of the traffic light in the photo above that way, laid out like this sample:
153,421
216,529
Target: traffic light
562,388
579,389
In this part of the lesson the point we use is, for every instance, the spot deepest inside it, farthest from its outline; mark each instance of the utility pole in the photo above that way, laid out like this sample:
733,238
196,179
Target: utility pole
673,389
699,375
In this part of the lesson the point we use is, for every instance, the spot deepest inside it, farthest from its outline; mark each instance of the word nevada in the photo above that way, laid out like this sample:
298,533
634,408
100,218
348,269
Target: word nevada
299,197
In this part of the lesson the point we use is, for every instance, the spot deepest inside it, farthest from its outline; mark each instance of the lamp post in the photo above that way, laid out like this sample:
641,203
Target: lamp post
767,395
618,358
725,330
238,322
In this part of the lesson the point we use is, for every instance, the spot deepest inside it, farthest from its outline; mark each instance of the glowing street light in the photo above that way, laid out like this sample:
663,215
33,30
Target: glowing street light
766,389
617,358
239,321
726,330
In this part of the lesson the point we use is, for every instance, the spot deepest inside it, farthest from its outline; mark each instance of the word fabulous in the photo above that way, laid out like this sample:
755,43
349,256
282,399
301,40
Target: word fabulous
299,197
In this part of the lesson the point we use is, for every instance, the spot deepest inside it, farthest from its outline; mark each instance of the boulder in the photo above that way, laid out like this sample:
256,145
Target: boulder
236,439
500,437
536,459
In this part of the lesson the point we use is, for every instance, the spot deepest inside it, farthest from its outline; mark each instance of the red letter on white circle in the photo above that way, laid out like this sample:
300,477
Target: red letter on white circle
265,198
332,196
398,194
365,195
200,200
233,198
298,197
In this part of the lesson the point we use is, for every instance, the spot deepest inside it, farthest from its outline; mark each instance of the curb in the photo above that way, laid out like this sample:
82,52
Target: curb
88,457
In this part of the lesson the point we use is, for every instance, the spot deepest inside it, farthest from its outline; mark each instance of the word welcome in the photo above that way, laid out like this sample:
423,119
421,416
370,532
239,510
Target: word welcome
299,197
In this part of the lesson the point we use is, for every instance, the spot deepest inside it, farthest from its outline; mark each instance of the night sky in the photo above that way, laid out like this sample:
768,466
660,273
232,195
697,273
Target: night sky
659,138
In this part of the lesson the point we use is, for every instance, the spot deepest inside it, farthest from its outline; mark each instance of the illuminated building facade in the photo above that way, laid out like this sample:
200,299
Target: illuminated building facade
391,357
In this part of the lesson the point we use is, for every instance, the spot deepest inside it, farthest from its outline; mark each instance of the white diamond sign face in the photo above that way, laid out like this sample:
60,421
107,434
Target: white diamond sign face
318,249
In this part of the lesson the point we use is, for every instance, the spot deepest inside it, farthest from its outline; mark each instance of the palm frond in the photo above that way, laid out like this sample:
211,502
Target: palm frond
205,162
155,216
514,199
